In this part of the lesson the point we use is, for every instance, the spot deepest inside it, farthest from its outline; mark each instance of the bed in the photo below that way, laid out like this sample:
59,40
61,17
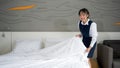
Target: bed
65,53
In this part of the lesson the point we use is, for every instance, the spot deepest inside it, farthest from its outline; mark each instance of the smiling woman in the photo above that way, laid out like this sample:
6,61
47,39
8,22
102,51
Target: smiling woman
22,7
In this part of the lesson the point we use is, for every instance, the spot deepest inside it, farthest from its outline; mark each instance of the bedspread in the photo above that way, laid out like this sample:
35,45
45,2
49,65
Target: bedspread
66,54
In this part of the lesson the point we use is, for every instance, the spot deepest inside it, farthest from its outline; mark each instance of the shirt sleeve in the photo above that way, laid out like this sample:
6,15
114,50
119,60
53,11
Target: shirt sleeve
93,33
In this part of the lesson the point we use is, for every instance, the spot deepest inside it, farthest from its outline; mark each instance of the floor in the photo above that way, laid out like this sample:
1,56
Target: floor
94,63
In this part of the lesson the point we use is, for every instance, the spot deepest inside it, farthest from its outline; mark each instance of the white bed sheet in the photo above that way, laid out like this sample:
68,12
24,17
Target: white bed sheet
66,54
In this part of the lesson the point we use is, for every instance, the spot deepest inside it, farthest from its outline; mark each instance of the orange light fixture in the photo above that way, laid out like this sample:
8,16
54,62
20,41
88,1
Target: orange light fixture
22,7
118,23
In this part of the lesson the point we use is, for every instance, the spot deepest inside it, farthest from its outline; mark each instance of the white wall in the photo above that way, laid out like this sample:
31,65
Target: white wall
7,42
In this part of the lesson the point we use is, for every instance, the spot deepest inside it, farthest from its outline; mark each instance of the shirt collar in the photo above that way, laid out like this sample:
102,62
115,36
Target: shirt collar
86,22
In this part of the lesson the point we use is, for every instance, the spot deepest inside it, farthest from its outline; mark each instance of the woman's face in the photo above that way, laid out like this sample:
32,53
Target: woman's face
83,16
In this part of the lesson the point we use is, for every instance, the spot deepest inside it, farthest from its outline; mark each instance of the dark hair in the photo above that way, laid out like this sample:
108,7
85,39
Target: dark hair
84,10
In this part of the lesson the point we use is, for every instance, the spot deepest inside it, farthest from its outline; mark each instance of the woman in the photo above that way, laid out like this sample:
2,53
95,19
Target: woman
88,30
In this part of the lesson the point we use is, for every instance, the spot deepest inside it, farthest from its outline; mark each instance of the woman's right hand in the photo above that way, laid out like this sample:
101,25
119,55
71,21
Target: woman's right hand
78,35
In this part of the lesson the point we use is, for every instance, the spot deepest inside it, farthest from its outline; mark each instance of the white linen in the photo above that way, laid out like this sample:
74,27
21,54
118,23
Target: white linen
67,54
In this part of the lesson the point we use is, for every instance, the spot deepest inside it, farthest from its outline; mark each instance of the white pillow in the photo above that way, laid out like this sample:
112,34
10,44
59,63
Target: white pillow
24,46
52,41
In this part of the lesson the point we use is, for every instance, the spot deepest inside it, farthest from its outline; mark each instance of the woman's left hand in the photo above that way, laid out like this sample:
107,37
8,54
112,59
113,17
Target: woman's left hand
88,49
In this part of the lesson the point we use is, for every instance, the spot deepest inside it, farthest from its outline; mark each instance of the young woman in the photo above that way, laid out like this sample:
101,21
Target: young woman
88,30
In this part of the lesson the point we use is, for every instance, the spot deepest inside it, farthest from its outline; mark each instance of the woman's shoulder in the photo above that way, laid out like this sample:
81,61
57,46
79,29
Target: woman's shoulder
92,22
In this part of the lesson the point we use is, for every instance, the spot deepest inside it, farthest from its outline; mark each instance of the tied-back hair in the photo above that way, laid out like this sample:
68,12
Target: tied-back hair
84,10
